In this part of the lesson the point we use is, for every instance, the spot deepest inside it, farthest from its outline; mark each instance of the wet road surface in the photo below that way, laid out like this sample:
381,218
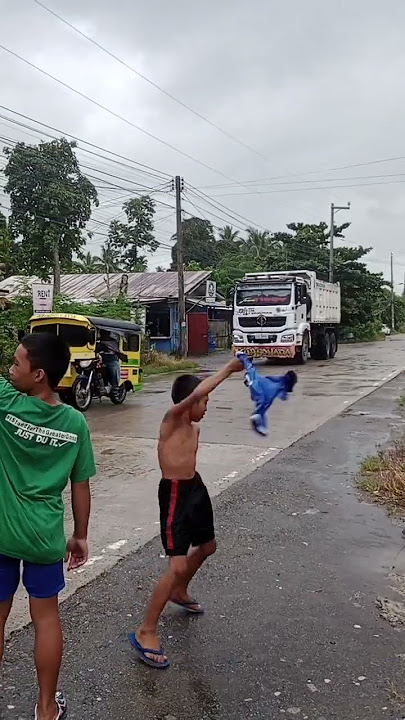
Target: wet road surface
292,628
124,509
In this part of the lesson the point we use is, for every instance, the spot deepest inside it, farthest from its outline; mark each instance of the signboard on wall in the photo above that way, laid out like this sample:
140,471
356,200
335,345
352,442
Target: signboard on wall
210,291
42,298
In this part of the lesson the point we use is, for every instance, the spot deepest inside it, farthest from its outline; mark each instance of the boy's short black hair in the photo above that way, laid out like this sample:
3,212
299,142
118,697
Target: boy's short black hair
49,353
183,386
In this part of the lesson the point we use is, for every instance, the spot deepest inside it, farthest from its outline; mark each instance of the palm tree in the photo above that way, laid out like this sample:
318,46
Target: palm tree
88,264
258,242
109,260
228,234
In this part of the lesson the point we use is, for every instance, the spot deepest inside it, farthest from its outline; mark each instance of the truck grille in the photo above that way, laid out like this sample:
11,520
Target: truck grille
260,321
257,340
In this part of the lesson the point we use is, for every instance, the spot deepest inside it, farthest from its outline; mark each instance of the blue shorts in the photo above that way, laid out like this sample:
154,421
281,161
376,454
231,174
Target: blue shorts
40,581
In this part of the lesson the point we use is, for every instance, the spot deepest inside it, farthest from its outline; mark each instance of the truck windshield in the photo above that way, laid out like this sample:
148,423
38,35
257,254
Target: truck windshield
247,296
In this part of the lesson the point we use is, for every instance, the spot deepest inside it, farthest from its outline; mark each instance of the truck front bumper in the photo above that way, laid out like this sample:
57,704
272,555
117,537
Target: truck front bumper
260,351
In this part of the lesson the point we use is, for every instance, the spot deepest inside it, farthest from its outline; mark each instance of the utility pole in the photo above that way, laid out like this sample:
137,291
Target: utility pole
333,209
179,183
392,294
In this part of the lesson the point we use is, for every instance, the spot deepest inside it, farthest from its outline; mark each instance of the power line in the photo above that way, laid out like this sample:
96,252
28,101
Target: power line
323,180
130,191
200,210
307,172
158,174
219,206
113,113
321,187
150,82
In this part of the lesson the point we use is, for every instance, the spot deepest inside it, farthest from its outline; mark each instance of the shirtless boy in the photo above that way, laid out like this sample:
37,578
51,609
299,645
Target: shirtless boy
186,517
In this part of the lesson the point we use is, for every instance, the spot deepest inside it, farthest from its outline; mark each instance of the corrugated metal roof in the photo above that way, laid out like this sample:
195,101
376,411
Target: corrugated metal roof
141,286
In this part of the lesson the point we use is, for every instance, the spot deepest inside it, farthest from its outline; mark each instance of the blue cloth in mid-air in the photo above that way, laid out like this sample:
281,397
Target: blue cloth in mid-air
264,390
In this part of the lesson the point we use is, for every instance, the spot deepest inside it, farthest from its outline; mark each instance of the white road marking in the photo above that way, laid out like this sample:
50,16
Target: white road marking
117,545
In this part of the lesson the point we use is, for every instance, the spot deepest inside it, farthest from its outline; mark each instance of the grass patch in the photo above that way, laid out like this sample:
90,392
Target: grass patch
373,464
155,363
383,477
397,695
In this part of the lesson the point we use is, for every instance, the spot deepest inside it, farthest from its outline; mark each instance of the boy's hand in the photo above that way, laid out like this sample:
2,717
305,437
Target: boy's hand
77,553
235,365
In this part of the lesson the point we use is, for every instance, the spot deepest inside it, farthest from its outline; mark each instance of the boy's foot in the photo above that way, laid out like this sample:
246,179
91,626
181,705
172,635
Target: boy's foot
147,647
188,603
60,708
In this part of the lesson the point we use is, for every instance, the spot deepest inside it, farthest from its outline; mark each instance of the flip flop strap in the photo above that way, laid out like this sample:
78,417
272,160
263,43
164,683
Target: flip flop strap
152,652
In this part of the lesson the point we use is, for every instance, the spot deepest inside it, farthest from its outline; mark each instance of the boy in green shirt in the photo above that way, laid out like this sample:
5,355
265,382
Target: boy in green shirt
43,444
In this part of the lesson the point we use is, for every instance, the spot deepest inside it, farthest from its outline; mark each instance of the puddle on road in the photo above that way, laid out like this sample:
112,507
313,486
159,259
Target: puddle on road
154,391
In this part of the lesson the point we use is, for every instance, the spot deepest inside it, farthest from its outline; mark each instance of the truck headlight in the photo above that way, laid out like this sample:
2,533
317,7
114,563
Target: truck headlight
288,338
85,364
237,337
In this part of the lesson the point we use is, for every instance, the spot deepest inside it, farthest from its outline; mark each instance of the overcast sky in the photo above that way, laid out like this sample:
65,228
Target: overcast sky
311,85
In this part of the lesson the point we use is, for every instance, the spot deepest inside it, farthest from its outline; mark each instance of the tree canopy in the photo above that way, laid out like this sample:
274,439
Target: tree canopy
128,242
199,243
51,202
301,246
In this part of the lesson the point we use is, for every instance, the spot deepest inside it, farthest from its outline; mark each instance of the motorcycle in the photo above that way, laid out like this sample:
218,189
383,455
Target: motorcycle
92,382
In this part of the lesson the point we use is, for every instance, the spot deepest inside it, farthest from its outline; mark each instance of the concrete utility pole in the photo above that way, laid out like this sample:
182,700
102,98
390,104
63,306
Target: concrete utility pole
392,293
333,209
179,183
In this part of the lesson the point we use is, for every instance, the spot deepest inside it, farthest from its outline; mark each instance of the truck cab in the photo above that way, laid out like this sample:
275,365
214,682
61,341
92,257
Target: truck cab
285,315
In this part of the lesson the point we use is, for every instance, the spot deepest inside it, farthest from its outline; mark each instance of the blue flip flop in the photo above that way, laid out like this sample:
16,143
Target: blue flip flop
141,652
188,606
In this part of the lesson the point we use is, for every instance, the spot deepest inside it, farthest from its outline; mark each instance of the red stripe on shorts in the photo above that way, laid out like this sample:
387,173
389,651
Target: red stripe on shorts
174,494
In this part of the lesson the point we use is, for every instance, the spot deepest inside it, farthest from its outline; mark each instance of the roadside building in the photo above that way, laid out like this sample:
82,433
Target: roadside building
156,293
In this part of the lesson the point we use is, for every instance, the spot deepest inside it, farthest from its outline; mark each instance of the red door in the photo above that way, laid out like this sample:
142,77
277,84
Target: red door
197,328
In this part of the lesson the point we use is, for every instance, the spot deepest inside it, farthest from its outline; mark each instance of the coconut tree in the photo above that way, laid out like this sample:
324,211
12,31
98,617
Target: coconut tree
258,242
88,264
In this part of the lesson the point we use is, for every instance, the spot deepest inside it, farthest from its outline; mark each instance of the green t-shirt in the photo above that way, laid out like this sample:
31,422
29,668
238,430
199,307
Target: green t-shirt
41,447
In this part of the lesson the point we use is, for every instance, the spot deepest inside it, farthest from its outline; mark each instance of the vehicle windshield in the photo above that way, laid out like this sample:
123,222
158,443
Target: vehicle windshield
265,296
74,335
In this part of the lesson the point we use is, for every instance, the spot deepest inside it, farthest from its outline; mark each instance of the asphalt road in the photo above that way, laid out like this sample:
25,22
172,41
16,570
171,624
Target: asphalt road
292,627
124,509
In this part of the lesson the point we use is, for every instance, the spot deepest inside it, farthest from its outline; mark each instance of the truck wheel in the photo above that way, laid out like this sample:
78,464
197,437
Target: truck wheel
303,351
332,345
322,347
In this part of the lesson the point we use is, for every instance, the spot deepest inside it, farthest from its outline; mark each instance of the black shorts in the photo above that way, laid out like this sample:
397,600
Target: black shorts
186,516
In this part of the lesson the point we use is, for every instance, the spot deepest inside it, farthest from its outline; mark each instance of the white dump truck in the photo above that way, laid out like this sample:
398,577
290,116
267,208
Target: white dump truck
289,314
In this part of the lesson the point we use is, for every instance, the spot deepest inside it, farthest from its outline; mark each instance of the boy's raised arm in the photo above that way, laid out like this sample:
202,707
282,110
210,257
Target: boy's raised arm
207,386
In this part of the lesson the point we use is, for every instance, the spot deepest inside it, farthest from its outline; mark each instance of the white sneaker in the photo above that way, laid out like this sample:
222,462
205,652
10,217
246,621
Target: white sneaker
256,420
